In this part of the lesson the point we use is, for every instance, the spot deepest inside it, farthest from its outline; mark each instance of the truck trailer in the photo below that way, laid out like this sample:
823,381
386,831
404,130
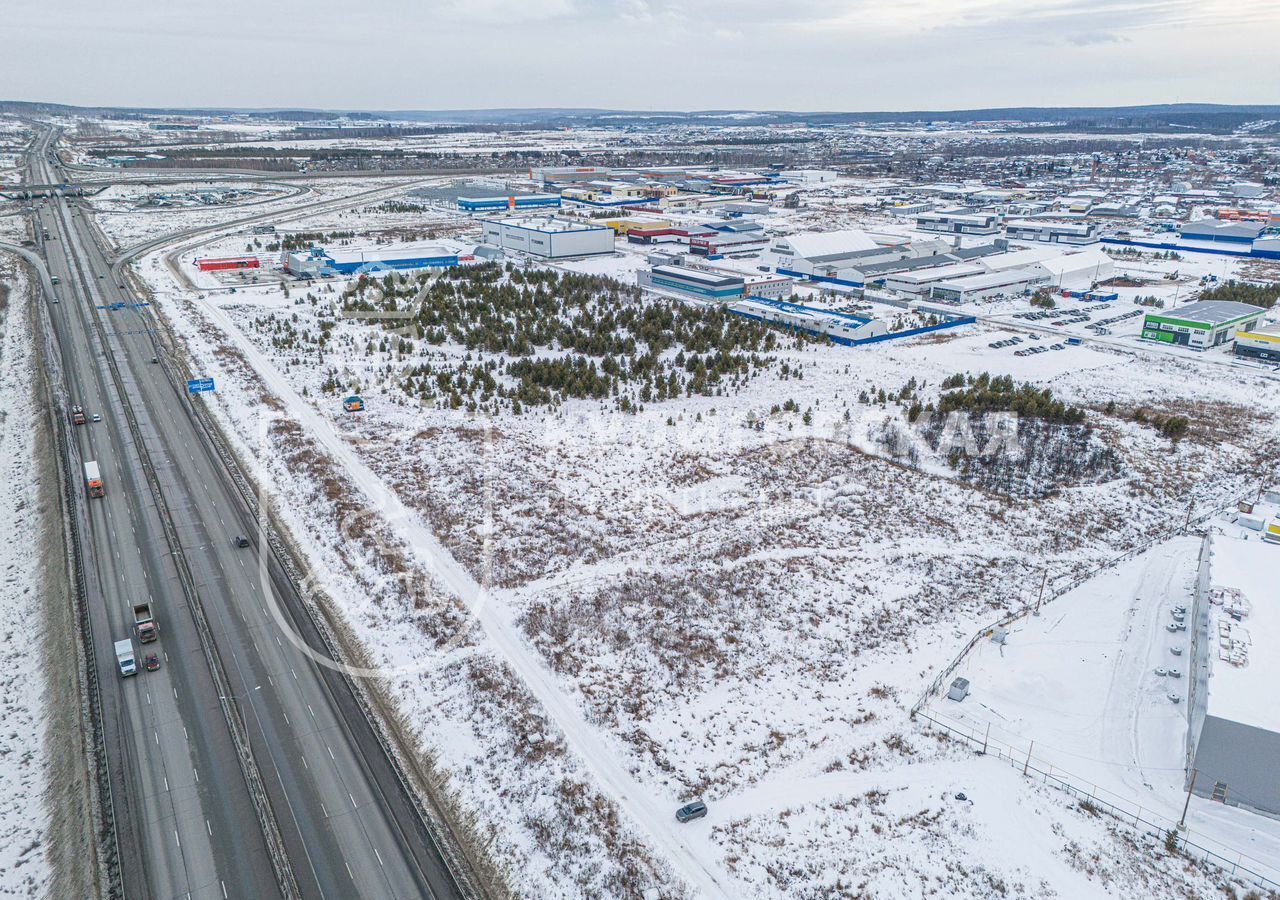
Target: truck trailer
144,623
93,479
124,658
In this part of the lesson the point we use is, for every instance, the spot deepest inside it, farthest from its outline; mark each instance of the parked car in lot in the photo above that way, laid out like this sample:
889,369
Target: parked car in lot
690,811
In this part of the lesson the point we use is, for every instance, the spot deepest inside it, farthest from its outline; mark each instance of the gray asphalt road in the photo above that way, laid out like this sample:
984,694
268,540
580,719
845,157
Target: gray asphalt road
186,821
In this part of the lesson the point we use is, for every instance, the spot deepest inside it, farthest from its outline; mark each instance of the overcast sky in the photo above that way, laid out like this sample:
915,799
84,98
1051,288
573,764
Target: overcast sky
641,54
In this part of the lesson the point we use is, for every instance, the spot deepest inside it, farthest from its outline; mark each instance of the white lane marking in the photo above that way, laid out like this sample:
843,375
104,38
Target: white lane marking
148,698
166,784
379,855
157,734
175,693
208,827
224,889
349,872
305,766
353,799
324,812
310,710
331,756
196,772
176,838
286,718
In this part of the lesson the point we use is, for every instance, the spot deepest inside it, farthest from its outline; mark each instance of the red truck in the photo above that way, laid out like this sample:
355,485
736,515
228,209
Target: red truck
144,623
93,479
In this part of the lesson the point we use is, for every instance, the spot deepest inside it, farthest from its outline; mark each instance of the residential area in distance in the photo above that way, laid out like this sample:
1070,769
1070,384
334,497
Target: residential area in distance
580,504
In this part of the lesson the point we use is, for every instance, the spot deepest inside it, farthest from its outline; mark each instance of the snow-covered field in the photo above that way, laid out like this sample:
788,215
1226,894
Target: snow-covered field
735,597
24,824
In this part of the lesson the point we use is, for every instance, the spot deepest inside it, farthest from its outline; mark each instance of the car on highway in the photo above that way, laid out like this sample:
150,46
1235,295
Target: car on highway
56,300
240,541
97,417
690,811
152,662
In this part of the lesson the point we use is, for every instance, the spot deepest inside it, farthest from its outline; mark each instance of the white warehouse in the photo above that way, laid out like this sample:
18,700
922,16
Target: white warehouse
549,237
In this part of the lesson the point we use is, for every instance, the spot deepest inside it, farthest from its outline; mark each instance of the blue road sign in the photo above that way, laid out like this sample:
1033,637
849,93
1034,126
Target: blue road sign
199,385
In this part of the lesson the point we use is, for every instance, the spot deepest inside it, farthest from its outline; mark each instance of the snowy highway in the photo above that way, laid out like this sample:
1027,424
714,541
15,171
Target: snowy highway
182,791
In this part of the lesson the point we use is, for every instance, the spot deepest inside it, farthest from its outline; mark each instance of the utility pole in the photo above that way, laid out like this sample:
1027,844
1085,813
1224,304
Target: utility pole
1044,579
1027,764
1182,823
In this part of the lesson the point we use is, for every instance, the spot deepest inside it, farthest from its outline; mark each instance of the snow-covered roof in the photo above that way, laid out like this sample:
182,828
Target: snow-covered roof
1246,693
1016,259
1095,260
827,243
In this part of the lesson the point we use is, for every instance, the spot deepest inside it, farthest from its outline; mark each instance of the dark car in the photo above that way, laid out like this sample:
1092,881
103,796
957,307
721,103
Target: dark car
690,811
152,662
241,541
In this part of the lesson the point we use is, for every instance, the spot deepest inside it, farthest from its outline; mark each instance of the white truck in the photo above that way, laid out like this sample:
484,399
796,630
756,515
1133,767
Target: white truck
124,658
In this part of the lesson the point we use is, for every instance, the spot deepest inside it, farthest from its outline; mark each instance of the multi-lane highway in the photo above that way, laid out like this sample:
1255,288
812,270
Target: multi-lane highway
198,815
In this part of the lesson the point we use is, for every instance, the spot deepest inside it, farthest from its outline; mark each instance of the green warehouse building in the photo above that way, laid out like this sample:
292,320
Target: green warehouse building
1201,325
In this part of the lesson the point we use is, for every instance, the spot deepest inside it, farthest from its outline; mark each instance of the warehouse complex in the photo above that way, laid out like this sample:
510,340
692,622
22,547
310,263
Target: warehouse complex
515,201
1259,343
549,237
1234,726
1202,325
321,261
1053,232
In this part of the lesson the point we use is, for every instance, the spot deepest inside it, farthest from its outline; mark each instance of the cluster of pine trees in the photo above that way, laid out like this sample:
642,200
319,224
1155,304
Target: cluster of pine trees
987,393
1264,295
563,336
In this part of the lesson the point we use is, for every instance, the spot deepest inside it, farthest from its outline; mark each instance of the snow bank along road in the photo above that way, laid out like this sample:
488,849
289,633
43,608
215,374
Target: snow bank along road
185,819
695,862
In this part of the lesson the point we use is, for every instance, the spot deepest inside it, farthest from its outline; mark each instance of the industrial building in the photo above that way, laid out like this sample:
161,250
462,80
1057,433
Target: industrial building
1259,343
1240,234
624,227
839,327
1074,271
609,193
320,261
225,263
568,174
1052,232
1202,325
918,282
844,256
693,282
958,222
976,288
1234,719
720,243
515,201
549,237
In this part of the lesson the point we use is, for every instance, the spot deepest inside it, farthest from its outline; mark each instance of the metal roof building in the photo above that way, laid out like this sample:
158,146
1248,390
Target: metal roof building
1259,343
1201,325
549,237
695,282
1220,232
1234,720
